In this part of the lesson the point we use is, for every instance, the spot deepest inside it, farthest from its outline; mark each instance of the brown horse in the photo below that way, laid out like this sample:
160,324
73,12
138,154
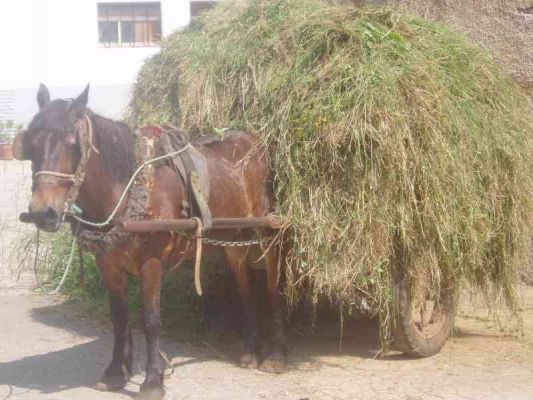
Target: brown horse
240,186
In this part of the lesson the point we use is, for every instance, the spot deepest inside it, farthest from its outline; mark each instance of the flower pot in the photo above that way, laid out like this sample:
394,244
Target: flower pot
6,151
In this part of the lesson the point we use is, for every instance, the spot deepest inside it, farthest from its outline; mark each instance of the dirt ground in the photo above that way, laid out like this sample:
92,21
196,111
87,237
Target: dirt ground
47,351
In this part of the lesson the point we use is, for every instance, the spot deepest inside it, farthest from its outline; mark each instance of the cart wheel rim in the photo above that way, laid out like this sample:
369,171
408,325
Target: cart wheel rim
428,317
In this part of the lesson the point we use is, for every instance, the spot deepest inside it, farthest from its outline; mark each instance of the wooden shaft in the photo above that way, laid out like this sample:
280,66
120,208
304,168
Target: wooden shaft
166,225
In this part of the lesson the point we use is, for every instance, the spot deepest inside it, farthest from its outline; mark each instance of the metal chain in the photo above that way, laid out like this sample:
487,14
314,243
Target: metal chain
243,243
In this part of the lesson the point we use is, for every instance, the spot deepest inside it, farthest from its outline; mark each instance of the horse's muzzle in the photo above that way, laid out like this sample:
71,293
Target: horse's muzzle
47,219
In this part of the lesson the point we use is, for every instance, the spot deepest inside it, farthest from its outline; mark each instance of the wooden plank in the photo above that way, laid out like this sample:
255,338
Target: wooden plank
190,224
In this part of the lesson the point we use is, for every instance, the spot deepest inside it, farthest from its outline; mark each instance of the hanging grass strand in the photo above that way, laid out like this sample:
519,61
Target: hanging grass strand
395,143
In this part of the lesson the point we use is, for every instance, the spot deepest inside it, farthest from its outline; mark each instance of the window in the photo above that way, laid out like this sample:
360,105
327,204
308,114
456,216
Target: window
129,24
198,6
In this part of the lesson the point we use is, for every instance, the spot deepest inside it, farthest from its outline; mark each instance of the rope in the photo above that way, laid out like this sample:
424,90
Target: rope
183,258
126,190
69,263
198,259
86,145
169,365
90,133
55,174
71,257
36,259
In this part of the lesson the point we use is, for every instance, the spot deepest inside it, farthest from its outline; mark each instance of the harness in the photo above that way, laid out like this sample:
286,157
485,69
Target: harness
150,149
152,145
84,128
101,238
190,166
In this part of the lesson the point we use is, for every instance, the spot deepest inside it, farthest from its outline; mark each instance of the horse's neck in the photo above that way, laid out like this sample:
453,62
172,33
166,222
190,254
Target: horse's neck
104,181
99,193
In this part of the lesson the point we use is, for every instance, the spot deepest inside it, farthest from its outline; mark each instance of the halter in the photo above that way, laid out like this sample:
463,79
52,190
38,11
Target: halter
84,127
52,175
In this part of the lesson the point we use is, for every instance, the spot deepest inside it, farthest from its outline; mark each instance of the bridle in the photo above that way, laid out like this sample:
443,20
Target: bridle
54,175
84,128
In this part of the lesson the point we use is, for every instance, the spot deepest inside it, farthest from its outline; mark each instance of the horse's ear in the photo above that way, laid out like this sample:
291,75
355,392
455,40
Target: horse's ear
43,96
79,104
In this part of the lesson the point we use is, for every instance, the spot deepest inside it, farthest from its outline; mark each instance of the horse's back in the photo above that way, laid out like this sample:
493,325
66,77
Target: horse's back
233,145
239,174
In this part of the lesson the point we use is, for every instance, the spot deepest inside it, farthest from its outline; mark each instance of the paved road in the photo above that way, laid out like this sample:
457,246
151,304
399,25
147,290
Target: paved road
48,352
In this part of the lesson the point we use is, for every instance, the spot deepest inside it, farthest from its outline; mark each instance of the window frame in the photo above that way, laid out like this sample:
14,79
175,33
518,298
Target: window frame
144,19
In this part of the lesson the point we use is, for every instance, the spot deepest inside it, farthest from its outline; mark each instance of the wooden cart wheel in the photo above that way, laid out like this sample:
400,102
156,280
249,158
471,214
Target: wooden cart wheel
422,326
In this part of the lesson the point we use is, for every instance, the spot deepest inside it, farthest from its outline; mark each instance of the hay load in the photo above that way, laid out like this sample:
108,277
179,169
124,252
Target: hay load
397,146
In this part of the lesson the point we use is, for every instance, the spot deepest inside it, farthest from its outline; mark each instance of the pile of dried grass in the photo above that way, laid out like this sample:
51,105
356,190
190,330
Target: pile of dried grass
396,144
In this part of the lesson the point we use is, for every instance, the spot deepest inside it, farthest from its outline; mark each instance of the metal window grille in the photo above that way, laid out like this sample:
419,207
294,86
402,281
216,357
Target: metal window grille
129,24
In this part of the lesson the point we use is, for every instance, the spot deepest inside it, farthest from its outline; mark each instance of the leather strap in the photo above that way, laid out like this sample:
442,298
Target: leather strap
190,176
85,138
198,258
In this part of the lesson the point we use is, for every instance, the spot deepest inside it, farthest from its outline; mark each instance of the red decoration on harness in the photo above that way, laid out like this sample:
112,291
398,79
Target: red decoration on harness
155,131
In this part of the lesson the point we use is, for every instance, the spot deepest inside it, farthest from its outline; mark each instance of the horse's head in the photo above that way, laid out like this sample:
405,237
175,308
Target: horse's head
51,142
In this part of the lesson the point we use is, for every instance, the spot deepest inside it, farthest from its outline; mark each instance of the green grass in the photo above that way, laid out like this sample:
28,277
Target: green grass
396,144
181,309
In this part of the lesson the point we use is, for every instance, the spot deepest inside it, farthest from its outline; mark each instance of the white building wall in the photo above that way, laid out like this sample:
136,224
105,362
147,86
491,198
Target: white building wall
56,42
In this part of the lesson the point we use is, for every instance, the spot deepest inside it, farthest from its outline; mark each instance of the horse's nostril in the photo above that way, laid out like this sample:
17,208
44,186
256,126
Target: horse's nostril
50,214
46,218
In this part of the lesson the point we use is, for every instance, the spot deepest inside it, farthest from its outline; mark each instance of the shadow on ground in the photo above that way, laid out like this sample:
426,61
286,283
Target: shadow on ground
81,364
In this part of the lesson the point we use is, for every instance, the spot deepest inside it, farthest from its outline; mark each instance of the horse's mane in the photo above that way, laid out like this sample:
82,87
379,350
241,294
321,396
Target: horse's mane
113,139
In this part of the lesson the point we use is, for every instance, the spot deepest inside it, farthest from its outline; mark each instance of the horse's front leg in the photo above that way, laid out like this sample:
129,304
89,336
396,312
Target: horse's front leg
116,281
150,274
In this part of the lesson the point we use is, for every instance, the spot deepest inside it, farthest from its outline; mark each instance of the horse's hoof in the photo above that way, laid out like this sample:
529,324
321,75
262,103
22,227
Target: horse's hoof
274,364
249,360
110,386
110,383
151,393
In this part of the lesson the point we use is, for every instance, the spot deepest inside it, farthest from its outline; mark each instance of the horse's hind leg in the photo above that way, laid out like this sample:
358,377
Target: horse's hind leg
117,374
276,360
150,275
236,259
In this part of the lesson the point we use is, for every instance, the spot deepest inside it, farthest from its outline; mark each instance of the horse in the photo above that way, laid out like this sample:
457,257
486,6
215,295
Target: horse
239,175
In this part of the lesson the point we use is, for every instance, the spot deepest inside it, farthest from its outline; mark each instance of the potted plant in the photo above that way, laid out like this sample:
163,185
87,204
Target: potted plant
8,130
